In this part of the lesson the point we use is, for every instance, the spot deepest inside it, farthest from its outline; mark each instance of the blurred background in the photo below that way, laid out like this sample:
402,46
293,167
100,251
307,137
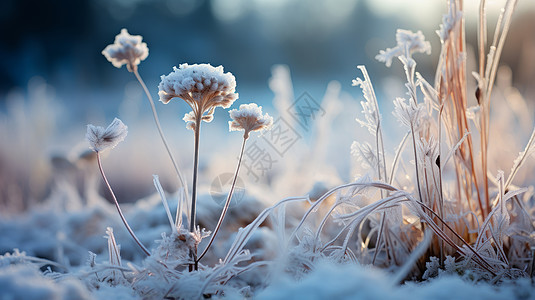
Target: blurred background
54,79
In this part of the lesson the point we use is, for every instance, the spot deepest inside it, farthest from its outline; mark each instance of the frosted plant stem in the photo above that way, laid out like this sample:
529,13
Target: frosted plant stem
379,238
441,194
396,157
195,171
416,164
227,204
119,208
194,189
164,140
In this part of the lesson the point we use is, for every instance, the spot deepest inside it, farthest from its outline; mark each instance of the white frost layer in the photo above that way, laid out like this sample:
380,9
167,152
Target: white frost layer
330,281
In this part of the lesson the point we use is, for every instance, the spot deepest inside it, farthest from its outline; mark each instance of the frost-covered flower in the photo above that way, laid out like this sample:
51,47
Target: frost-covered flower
408,43
101,138
127,49
202,86
249,118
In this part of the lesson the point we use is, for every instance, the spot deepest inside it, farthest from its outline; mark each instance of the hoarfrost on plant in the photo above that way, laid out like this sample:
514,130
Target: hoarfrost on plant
249,118
101,138
127,49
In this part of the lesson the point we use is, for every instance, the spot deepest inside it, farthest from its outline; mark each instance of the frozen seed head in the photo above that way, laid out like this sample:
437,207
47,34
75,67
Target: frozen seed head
101,138
249,118
127,49
202,86
408,42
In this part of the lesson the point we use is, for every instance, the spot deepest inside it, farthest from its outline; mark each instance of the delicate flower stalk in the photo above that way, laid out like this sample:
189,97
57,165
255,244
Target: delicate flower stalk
101,139
203,87
373,118
248,118
226,206
128,49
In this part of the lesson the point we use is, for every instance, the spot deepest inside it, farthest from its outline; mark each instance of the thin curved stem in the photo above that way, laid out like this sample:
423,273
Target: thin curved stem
164,140
227,203
119,208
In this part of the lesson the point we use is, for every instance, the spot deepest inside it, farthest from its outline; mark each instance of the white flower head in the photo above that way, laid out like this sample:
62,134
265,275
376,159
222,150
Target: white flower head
249,118
202,86
101,138
408,43
127,49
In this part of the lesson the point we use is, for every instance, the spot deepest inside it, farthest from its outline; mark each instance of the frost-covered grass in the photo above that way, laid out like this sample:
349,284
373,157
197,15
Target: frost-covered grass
436,217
